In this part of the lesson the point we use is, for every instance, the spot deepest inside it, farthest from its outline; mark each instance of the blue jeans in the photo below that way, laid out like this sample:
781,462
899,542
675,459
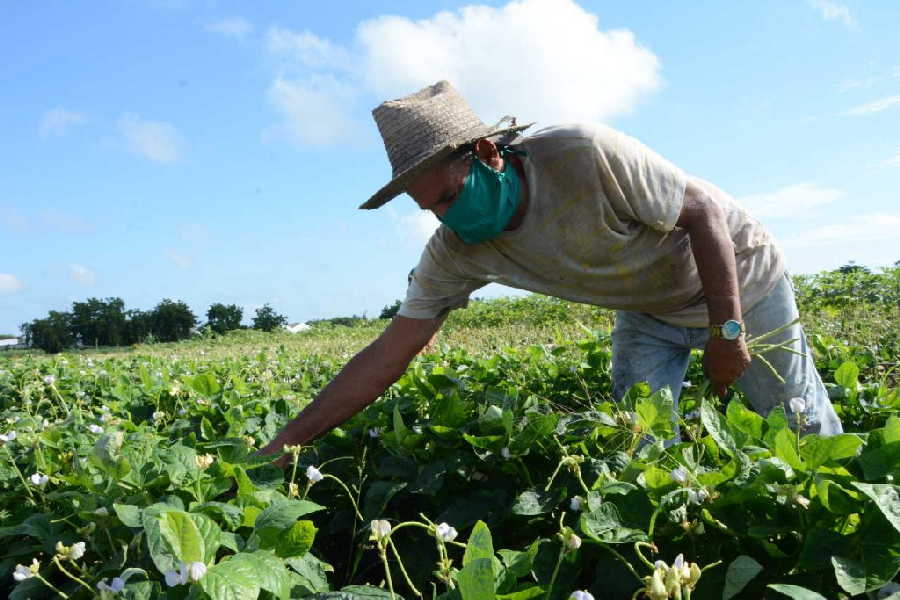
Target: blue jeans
647,349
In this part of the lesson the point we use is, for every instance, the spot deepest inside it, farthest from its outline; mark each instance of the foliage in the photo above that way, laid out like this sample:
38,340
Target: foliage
148,461
221,318
52,334
172,320
98,322
267,319
390,311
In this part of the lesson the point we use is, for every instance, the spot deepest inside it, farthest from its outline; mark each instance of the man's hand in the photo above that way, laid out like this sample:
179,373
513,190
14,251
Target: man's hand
725,361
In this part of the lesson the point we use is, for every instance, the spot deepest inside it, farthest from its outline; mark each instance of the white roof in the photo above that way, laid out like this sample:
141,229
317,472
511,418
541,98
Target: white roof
10,342
297,327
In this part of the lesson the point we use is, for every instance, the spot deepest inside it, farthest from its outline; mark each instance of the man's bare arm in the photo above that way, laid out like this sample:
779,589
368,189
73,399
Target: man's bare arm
360,382
713,250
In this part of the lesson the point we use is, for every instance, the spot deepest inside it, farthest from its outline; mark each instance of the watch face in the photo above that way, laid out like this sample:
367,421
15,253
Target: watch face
731,330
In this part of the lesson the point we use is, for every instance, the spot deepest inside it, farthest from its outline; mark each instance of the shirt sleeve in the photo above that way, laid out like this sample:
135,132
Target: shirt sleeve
640,184
438,284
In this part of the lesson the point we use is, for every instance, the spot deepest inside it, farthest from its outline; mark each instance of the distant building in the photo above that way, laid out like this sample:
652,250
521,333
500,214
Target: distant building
11,343
296,327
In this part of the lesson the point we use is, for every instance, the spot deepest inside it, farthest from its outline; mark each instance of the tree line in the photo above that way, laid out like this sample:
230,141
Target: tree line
105,322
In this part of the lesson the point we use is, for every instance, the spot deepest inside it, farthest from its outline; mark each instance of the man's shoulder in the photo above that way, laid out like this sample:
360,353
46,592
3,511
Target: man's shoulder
573,136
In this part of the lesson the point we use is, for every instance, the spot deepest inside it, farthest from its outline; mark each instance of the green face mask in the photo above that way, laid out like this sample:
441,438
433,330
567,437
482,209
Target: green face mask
485,204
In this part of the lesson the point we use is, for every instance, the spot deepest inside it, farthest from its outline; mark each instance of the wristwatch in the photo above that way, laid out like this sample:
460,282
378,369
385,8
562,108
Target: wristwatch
729,330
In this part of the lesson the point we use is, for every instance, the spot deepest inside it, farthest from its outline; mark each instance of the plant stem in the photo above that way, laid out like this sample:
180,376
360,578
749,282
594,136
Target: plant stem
349,495
403,569
623,559
562,552
12,461
57,562
52,587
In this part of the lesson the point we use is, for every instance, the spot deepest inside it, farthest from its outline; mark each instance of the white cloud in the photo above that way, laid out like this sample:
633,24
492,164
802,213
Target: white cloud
82,274
872,80
315,110
234,27
834,11
58,121
418,226
874,107
860,229
157,140
540,60
798,200
10,284
181,261
892,161
307,49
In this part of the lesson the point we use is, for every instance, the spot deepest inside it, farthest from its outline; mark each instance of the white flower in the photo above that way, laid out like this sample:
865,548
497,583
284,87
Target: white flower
174,578
115,586
22,572
581,595
445,532
680,475
572,541
417,429
104,417
697,496
205,460
576,503
196,570
504,452
95,428
77,550
7,437
38,479
159,415
380,529
802,501
49,379
679,562
80,393
661,565
798,405
313,474
686,384
102,511
374,432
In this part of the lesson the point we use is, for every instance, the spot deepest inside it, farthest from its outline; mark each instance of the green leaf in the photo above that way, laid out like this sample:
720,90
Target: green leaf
476,580
776,421
479,544
181,464
183,536
312,572
533,502
160,551
400,430
785,448
850,575
528,593
297,540
244,574
517,563
741,570
886,497
129,515
796,592
605,525
742,419
204,384
717,427
847,376
818,450
655,414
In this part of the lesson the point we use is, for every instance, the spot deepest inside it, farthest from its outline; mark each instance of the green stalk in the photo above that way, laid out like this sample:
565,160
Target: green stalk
623,559
12,461
349,495
403,569
58,563
562,552
52,587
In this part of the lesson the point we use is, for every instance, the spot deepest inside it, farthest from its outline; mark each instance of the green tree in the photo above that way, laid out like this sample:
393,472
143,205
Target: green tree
267,319
98,322
52,334
138,325
172,320
389,312
222,318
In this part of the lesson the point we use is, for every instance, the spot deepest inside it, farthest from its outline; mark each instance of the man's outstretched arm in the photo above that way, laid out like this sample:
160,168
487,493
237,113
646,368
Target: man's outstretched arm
713,250
360,382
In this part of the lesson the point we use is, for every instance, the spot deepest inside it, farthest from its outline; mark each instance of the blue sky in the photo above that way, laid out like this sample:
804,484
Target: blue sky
216,151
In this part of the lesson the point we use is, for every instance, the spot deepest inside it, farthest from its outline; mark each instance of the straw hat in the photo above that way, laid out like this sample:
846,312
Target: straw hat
423,128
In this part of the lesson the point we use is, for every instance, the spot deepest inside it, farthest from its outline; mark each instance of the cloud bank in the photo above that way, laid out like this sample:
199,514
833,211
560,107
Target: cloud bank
156,140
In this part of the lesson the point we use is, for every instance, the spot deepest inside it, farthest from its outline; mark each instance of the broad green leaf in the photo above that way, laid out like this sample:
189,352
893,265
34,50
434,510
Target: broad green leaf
785,448
886,497
847,376
181,533
160,551
281,515
400,430
605,525
717,427
741,570
243,575
129,515
181,464
850,575
776,421
204,384
533,502
528,593
655,414
818,450
476,579
312,572
297,540
796,592
519,564
742,419
479,544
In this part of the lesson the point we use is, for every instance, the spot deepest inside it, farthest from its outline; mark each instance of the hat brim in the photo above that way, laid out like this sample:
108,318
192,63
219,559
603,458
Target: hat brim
398,184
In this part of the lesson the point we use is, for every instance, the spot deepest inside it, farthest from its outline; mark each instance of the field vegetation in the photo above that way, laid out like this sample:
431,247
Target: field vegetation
497,468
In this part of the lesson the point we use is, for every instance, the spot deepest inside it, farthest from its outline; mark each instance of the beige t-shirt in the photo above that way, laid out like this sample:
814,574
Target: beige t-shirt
599,229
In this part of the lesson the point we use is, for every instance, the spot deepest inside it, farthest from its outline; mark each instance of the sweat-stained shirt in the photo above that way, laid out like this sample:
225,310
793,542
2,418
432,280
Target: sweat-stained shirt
599,229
